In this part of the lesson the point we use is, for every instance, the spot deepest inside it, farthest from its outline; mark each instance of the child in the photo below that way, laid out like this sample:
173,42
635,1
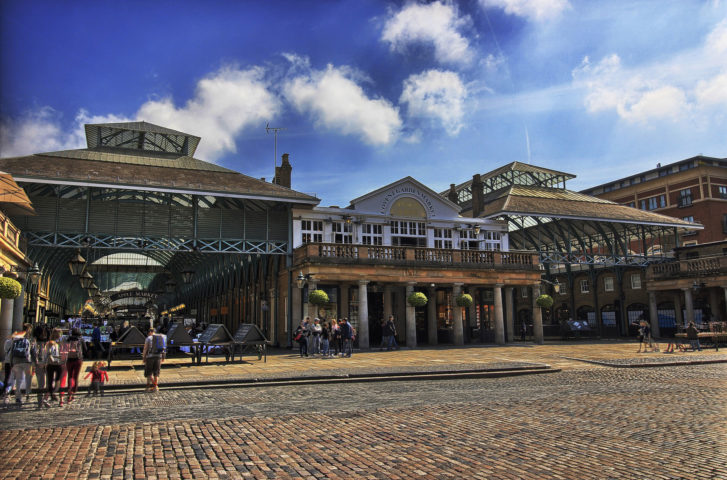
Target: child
98,377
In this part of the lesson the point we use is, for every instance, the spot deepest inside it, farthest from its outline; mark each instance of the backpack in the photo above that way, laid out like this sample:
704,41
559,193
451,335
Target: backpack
158,345
72,349
20,352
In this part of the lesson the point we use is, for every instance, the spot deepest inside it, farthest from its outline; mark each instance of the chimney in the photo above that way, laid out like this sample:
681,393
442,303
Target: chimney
478,201
452,194
282,173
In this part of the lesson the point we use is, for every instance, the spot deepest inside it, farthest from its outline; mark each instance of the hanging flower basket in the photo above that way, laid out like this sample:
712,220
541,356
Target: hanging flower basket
417,299
544,301
464,300
318,297
10,288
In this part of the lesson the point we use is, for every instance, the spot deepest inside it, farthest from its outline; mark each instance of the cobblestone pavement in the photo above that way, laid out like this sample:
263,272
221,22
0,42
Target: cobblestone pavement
590,423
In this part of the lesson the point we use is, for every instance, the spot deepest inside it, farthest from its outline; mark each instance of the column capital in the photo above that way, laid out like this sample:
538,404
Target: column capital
411,284
364,282
499,285
458,284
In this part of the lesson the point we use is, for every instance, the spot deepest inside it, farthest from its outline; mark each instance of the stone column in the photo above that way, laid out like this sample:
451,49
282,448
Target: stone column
432,316
363,315
499,320
653,315
688,304
344,301
537,317
509,314
411,326
678,317
6,320
457,317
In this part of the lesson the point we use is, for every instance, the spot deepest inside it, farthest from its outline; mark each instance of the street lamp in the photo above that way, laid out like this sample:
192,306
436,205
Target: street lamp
555,284
77,264
303,279
86,279
187,276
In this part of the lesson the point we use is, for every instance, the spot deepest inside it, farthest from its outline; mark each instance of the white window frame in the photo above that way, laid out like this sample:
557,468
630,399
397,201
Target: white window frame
493,241
585,288
372,234
608,284
311,231
443,238
635,281
408,229
342,233
469,240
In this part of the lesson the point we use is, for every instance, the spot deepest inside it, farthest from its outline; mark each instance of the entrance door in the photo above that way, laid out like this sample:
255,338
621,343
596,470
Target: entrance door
376,313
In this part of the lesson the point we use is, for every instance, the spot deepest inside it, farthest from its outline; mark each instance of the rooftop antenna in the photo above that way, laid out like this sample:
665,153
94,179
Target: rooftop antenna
275,131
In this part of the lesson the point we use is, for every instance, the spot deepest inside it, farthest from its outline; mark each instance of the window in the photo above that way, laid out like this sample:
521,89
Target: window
524,292
584,286
636,281
408,234
690,218
311,230
442,238
652,203
608,284
643,204
342,232
372,234
724,223
631,204
493,241
685,166
722,191
655,202
563,289
468,240
685,197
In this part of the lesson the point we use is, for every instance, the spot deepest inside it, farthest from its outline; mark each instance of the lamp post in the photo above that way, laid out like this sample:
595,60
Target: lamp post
302,281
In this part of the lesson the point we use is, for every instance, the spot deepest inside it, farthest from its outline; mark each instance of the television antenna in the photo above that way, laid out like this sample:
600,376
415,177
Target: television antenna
275,131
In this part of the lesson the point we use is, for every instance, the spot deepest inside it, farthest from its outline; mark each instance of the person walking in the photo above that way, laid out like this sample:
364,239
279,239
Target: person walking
40,361
21,362
391,332
301,334
347,336
54,368
384,335
98,349
693,337
73,350
325,341
98,377
154,353
316,331
336,337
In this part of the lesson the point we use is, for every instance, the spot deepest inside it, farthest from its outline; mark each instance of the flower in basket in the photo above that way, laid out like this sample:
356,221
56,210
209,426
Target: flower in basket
318,297
10,288
464,300
544,301
417,299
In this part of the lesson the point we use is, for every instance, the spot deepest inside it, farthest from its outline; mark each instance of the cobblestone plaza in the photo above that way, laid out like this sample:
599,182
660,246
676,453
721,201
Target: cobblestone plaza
592,419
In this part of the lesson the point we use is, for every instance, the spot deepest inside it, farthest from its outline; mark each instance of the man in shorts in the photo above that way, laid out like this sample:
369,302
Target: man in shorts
155,351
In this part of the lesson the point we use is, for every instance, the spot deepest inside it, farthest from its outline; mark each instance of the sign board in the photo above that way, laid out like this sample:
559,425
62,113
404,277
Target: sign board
177,334
215,333
249,333
132,336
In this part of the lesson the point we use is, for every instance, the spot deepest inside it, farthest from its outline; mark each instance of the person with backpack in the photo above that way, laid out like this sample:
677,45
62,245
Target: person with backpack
73,349
54,366
20,361
39,358
154,353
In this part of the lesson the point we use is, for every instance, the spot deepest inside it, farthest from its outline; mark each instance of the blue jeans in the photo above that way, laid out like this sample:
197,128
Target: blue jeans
324,347
695,345
347,347
392,342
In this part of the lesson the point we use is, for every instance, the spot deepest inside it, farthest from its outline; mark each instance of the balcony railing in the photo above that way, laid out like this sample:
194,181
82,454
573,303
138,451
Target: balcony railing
338,253
696,267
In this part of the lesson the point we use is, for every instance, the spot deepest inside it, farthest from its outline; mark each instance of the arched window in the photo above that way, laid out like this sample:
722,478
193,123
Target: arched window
408,207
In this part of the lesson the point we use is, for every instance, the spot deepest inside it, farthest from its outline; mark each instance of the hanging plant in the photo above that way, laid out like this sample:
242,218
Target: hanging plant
10,288
417,299
544,301
464,300
318,297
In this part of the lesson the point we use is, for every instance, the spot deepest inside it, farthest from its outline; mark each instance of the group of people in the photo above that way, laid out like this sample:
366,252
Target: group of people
327,339
55,360
647,342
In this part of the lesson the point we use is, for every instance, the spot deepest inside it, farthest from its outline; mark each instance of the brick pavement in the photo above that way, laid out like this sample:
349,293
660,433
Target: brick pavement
589,423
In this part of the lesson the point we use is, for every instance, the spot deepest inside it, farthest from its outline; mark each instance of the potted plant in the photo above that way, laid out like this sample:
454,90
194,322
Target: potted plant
544,301
464,300
417,299
318,297
10,288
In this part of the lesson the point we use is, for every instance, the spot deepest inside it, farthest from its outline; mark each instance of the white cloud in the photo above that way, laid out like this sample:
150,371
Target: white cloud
437,95
225,102
688,85
335,101
437,24
536,10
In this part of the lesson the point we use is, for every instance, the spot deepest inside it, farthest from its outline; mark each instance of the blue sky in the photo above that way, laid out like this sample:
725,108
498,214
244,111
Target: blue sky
371,91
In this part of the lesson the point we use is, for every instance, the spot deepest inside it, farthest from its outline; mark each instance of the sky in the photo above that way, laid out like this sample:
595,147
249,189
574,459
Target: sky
366,92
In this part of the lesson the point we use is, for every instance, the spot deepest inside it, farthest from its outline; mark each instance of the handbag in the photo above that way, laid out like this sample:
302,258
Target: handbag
298,337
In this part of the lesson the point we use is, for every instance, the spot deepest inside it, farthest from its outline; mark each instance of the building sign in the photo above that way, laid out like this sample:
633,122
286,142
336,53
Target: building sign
409,191
133,294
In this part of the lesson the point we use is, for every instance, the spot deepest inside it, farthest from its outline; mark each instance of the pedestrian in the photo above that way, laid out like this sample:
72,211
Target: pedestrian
391,332
98,377
98,349
316,331
336,337
40,361
54,366
347,335
154,353
325,340
18,349
523,330
693,337
301,334
73,350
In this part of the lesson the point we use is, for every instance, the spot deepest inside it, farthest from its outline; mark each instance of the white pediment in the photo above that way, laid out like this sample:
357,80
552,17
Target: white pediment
380,201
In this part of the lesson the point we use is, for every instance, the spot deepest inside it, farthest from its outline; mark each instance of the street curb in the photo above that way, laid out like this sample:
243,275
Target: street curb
646,365
344,378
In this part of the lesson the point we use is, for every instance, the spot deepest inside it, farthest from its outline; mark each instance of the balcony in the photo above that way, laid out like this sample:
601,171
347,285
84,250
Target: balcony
410,256
698,267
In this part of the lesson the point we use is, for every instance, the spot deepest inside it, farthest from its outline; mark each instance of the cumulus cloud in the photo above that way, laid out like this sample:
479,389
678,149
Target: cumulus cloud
436,24
334,99
690,83
225,102
436,95
535,10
